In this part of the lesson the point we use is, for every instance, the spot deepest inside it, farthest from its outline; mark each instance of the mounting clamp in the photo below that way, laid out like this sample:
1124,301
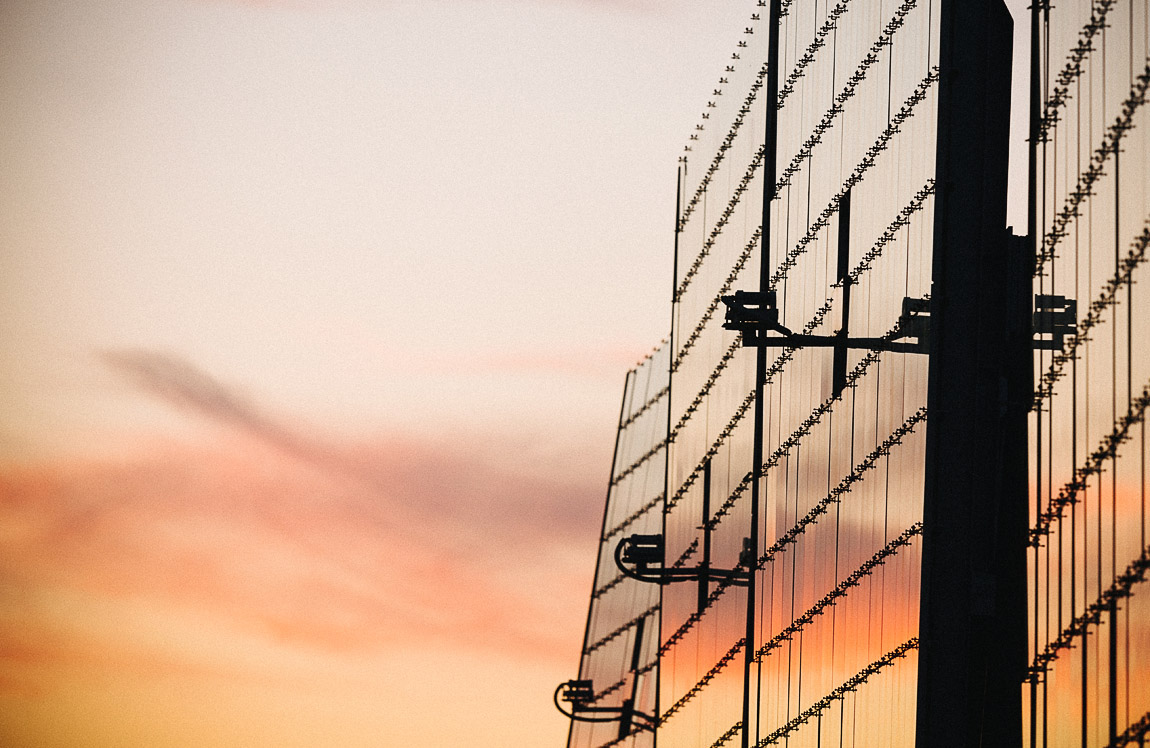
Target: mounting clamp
580,694
641,557
756,314
1056,316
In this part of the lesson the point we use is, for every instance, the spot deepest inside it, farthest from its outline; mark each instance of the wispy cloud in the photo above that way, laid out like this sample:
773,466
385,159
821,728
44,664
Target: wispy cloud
182,384
252,538
411,481
329,545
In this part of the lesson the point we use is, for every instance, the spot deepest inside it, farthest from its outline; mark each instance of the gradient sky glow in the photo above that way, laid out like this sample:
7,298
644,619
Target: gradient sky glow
315,318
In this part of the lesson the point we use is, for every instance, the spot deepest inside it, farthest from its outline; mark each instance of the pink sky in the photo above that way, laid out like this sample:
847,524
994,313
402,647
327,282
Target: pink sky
316,316
261,563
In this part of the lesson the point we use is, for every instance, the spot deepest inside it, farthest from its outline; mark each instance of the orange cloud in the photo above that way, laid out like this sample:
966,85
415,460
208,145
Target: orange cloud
408,482
289,550
325,546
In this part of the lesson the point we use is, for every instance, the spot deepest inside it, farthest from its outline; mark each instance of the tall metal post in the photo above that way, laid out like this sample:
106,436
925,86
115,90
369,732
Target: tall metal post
670,419
602,532
769,172
973,605
1034,104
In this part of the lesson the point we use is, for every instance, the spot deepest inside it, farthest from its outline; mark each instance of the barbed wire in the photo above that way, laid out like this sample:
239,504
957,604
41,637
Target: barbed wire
623,681
633,517
729,140
841,590
711,452
808,57
844,486
800,527
1105,300
1073,69
1084,187
1121,587
827,121
901,220
1094,464
1135,732
884,40
728,735
850,685
707,678
745,255
777,366
644,407
891,233
621,630
880,145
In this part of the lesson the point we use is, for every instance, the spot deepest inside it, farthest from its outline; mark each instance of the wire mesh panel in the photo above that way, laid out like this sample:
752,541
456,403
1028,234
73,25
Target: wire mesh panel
620,645
1090,604
776,523
835,616
706,516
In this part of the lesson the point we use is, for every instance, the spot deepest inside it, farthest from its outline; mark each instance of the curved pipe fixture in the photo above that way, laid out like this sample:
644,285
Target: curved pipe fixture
578,704
579,692
646,552
643,551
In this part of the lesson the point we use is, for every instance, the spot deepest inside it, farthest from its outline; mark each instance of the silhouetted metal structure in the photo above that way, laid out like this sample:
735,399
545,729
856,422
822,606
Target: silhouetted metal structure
619,660
1089,608
818,517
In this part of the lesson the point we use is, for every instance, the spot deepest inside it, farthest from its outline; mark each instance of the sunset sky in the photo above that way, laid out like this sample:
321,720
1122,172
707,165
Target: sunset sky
315,321
315,317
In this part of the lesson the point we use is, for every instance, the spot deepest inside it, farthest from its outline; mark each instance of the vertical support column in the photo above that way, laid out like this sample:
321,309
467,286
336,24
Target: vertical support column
705,565
672,348
844,278
973,614
1034,104
628,717
770,167
627,382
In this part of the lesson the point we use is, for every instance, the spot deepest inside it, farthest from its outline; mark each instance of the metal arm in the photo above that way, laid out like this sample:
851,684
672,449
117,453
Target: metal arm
646,553
756,314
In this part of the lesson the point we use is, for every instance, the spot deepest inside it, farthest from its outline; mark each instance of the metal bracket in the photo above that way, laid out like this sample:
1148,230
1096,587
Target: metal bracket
756,314
641,557
581,693
914,322
753,314
1056,316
